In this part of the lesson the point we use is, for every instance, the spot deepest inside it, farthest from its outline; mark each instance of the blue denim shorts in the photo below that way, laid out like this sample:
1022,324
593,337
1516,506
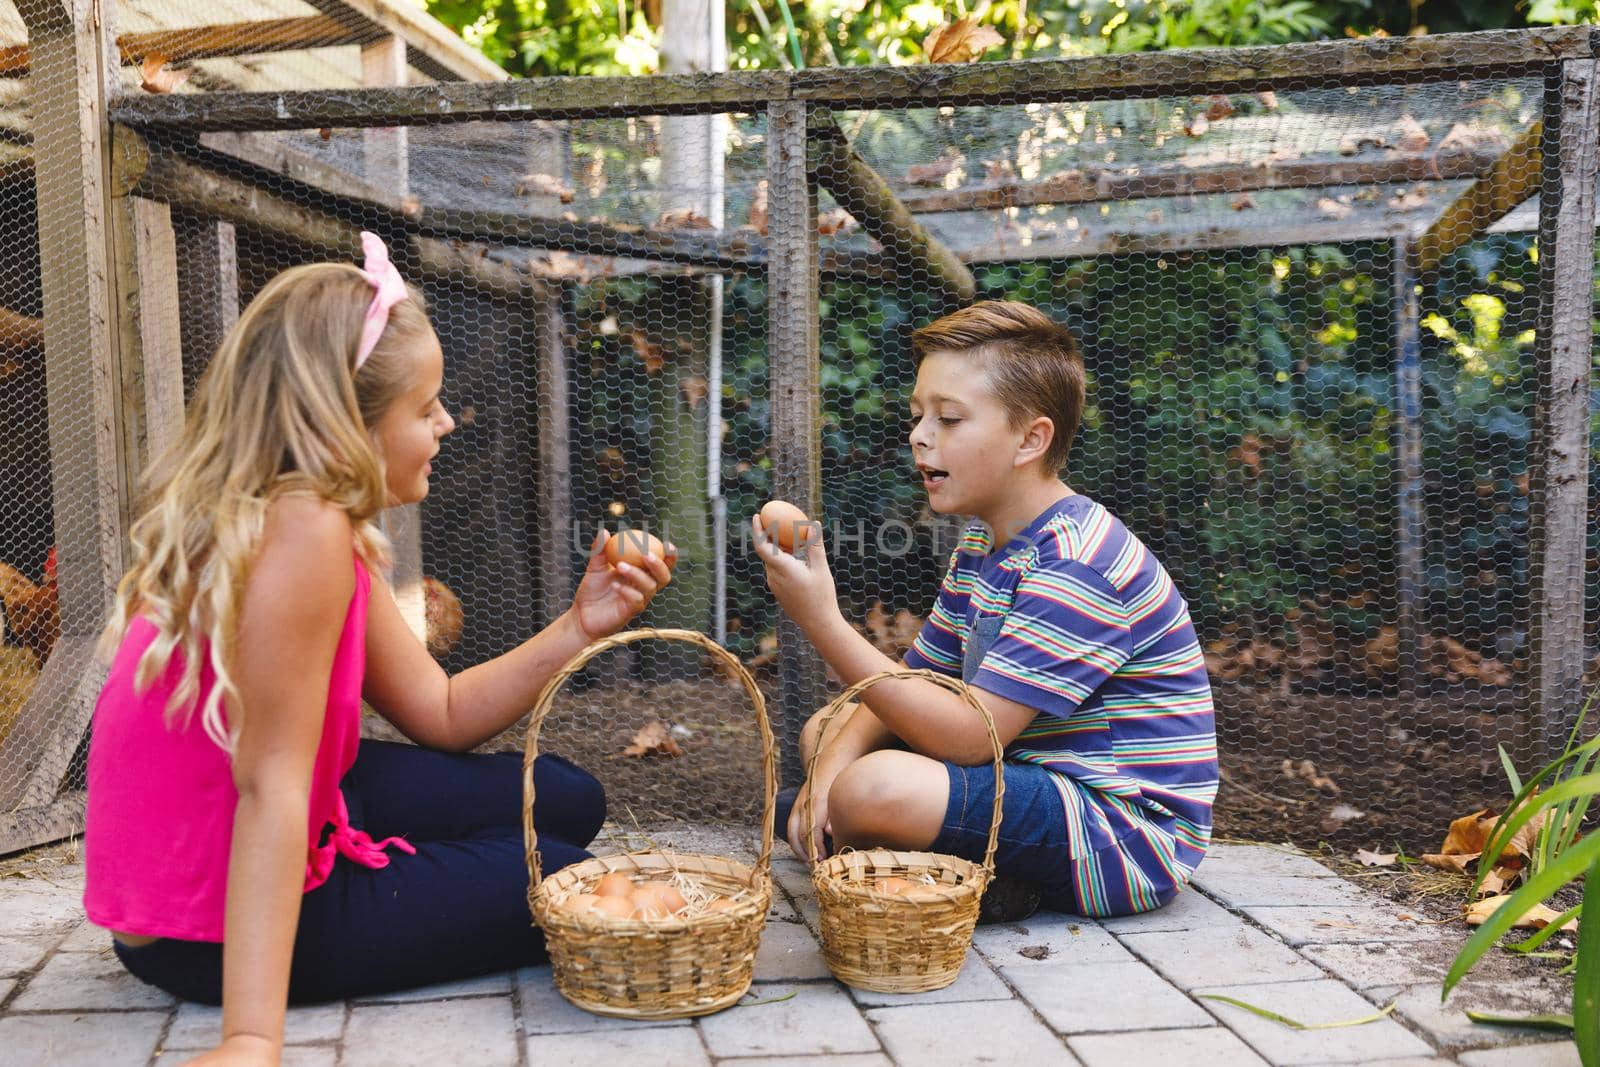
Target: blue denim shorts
1033,827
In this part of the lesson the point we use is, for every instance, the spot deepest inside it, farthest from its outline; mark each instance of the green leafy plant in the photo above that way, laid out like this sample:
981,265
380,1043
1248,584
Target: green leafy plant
1561,793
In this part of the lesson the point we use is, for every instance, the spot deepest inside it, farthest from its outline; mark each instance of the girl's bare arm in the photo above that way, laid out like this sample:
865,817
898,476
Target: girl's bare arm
294,609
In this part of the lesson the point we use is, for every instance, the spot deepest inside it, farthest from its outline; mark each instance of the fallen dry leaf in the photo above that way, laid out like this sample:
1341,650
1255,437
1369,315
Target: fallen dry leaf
833,222
156,77
1333,209
1410,136
960,41
653,738
931,173
682,219
1376,859
1242,202
1218,107
1537,917
758,209
653,355
537,184
694,390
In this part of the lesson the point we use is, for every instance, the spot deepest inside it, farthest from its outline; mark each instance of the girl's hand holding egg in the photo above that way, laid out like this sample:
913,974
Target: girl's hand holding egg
801,582
625,572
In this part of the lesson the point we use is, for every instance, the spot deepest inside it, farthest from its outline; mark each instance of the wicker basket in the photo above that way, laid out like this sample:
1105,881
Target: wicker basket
665,968
894,943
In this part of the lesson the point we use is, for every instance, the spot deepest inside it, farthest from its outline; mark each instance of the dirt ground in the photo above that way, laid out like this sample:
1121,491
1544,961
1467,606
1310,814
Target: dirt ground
1360,771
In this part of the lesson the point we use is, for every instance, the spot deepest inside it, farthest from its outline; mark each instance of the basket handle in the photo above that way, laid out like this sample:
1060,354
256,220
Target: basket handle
956,686
541,708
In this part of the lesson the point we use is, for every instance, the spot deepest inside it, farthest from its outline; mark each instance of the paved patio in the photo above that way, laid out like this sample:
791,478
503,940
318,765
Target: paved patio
1264,925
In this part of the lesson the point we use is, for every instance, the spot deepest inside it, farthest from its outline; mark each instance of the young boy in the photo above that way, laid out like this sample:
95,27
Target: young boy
1070,632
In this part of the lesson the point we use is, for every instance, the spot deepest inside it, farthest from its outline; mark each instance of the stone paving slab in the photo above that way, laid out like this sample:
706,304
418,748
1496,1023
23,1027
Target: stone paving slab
198,1026
106,1039
1213,1046
1446,1024
660,1045
1048,937
975,982
544,1011
1225,861
789,952
1091,997
1562,1054
1356,922
1189,910
87,937
1279,890
1220,955
36,907
85,981
475,1030
1321,1001
998,1033
1366,965
817,1019
846,1059
21,954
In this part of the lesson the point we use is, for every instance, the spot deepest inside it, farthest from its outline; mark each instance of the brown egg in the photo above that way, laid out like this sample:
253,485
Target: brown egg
629,546
722,904
670,900
615,884
649,906
583,902
787,525
895,886
616,907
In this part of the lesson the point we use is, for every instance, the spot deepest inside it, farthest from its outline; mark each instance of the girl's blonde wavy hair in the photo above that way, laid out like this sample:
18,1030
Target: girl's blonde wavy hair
279,411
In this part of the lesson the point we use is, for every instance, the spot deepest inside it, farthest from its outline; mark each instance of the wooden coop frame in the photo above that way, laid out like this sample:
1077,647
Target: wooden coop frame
117,334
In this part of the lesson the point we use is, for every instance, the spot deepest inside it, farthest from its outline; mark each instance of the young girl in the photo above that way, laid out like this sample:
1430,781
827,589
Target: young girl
232,813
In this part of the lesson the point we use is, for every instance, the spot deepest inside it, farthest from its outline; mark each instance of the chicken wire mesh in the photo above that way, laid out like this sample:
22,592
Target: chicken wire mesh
1347,514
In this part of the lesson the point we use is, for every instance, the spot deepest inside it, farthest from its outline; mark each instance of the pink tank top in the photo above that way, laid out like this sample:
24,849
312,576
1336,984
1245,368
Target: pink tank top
161,801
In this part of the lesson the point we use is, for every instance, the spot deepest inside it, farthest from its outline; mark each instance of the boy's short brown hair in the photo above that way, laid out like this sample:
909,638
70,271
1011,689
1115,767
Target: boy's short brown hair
1032,362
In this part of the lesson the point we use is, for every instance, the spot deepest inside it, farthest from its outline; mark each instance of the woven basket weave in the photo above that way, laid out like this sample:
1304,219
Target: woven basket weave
909,943
666,968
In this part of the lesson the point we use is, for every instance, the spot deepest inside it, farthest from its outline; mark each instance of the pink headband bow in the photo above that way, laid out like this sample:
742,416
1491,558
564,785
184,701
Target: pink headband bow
388,290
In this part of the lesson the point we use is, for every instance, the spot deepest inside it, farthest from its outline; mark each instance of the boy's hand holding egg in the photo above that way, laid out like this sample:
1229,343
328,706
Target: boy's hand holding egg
625,571
790,544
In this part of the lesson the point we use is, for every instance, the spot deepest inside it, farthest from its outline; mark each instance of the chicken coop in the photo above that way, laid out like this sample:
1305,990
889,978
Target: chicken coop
1335,301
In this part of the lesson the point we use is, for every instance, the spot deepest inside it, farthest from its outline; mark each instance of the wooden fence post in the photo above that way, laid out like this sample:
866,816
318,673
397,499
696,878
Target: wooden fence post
1411,577
793,360
1559,479
69,86
383,63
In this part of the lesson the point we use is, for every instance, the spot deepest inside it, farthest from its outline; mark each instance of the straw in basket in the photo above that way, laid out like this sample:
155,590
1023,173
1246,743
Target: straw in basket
692,963
893,942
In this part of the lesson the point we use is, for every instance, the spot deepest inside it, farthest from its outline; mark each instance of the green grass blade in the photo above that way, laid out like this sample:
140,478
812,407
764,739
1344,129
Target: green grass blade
1548,932
1564,869
1497,838
1586,989
1511,772
1295,1024
1518,817
1553,1021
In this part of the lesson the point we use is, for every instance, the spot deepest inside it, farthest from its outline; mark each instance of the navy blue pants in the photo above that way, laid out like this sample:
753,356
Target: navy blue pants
456,909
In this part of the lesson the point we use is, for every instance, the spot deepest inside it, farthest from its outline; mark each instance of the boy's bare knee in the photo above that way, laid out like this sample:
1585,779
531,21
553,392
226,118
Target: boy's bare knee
887,797
808,737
